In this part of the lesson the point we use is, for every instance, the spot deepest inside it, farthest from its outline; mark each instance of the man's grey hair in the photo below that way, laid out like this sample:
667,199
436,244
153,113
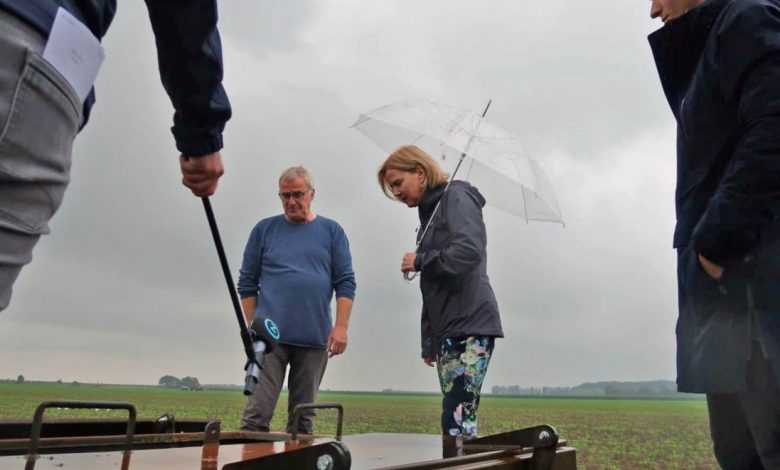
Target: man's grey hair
297,172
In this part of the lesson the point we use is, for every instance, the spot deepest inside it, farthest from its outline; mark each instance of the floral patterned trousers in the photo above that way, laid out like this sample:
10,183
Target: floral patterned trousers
462,364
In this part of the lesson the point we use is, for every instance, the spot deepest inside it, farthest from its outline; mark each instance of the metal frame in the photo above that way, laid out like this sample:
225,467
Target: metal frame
328,456
35,435
299,409
534,448
543,439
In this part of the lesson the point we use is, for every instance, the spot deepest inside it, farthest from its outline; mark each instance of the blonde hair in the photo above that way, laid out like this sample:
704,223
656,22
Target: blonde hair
408,158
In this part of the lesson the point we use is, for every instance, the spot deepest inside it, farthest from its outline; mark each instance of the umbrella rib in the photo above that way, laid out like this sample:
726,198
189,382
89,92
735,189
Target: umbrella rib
525,209
418,138
468,174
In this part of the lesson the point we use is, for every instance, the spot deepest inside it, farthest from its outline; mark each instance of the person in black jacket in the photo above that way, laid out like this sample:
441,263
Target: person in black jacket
719,65
460,319
41,109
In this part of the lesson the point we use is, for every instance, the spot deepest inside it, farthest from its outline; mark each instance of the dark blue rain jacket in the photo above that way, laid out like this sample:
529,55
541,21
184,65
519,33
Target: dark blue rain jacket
719,65
189,55
452,259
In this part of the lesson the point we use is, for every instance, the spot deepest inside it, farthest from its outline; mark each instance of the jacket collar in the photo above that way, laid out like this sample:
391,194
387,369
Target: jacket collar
678,45
428,202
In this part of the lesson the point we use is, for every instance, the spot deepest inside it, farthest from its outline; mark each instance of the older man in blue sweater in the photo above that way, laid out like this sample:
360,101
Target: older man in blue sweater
293,263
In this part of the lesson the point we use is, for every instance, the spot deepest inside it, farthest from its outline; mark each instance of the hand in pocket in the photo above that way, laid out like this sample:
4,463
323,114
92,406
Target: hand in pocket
713,270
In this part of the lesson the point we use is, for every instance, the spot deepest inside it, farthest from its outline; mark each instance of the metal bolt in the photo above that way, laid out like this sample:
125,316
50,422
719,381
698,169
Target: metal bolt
544,435
324,462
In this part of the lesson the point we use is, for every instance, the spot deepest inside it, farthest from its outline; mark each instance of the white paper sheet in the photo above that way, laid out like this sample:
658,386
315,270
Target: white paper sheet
74,51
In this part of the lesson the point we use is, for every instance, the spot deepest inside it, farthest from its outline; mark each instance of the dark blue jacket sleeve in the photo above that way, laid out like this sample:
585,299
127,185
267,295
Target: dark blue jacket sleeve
189,54
748,196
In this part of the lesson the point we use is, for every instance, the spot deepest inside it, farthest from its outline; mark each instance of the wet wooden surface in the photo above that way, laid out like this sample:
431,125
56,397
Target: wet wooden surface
368,451
176,458
378,450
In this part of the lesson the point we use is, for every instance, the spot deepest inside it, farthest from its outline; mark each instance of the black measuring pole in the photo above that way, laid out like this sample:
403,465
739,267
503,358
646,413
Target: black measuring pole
245,338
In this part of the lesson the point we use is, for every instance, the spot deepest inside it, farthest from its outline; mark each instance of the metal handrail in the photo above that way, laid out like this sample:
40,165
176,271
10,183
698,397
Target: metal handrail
299,409
35,433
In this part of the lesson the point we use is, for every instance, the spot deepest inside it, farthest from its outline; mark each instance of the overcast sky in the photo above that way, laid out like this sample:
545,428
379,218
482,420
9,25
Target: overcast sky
128,288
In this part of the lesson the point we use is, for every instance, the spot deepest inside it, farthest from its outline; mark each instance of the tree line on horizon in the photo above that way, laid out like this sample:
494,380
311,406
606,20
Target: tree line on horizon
650,388
171,381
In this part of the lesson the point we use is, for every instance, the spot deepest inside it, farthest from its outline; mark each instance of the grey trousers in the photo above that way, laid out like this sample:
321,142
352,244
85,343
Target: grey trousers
40,116
307,366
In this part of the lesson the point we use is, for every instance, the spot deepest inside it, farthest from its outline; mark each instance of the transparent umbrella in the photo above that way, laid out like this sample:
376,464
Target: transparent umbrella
469,148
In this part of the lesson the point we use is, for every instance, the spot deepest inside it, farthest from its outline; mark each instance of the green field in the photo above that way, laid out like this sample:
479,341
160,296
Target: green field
608,434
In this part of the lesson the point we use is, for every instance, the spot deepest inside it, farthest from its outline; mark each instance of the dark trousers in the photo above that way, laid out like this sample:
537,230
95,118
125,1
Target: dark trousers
307,366
745,426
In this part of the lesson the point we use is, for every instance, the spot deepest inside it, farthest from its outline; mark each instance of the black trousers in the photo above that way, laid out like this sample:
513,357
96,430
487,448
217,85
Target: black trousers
745,426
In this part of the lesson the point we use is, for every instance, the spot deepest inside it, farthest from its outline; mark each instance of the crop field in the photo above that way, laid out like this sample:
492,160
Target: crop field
608,433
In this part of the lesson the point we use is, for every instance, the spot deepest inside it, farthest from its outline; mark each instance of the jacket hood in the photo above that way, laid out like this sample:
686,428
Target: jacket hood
432,196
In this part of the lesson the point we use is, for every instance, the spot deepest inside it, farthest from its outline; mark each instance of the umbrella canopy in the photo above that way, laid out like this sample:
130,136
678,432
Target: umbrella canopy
494,160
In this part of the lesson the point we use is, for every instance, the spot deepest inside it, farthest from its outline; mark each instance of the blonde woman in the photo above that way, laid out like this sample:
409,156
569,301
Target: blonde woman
460,319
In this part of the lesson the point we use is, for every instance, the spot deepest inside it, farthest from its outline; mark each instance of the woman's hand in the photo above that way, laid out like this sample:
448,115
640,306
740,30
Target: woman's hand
429,361
407,265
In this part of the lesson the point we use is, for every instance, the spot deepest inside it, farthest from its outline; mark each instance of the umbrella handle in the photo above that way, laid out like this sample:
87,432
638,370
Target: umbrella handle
409,276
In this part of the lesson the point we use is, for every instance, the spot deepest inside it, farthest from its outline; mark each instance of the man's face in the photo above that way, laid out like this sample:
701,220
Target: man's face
671,9
296,198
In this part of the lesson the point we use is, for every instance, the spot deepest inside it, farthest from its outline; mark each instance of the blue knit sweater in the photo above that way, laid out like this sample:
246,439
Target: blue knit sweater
294,269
